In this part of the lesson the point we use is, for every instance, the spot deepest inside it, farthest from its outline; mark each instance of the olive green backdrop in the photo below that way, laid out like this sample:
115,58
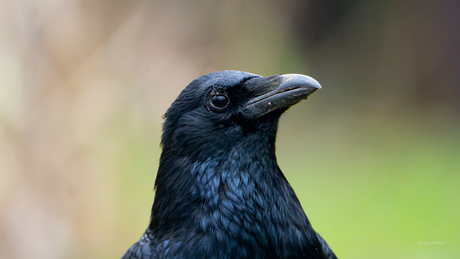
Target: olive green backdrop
374,156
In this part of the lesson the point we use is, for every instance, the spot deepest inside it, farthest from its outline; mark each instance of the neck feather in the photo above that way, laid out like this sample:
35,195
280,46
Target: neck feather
242,188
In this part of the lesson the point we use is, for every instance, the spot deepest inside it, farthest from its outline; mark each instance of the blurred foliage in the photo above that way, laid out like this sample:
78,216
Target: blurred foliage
373,157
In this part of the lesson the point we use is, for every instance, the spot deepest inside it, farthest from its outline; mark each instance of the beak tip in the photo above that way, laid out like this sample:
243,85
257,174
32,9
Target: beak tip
302,80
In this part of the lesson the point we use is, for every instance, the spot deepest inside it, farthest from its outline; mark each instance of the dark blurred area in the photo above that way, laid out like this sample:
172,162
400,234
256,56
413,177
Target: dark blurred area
374,156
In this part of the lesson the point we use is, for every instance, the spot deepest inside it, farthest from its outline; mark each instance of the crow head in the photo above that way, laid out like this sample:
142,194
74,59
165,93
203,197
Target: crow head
219,109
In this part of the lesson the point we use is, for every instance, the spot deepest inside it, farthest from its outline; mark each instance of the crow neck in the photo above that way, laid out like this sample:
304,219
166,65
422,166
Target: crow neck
242,187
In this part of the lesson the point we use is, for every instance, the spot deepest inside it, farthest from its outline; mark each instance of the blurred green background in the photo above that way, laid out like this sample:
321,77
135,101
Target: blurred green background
374,156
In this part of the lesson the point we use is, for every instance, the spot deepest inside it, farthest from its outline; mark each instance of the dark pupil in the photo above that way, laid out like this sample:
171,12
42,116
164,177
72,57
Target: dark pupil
220,101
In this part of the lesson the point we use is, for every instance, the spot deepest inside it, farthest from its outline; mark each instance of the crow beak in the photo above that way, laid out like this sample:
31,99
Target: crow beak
277,92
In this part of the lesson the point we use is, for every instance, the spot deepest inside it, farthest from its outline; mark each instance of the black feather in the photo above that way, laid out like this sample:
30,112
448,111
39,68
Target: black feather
219,190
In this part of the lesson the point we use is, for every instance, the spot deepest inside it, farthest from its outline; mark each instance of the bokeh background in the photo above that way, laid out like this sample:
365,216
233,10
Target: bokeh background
374,156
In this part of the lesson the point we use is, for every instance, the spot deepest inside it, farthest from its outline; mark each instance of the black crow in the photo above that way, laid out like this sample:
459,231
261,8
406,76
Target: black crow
219,190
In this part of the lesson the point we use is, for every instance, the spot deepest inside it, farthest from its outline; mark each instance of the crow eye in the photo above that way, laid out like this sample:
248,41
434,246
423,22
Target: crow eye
219,101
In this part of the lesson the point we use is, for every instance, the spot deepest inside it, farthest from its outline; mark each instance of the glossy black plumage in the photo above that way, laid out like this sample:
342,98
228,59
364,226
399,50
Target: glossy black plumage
219,190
